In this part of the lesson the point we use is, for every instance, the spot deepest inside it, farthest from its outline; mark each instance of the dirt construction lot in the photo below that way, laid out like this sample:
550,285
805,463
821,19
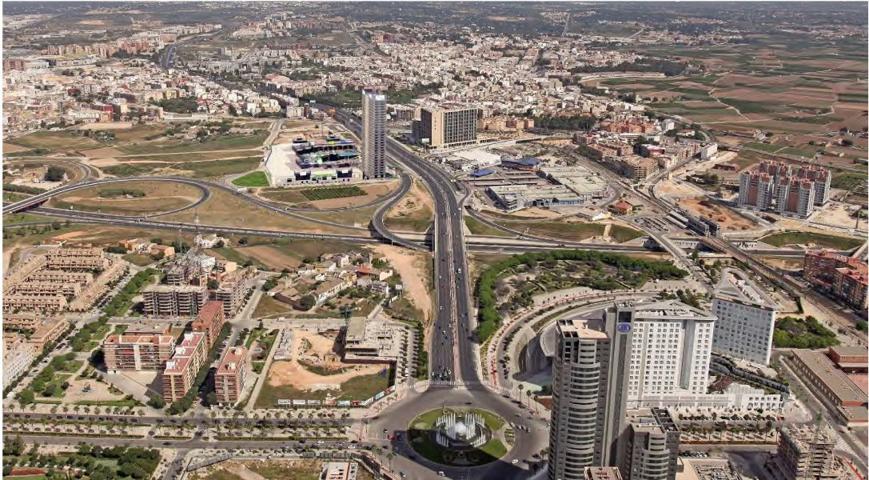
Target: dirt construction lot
412,268
312,348
725,217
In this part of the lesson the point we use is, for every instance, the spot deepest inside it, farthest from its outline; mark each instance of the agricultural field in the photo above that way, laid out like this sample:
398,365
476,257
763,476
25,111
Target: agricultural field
326,193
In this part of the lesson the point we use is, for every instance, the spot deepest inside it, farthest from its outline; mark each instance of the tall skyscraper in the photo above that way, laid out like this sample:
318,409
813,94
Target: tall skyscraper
671,348
373,134
589,386
652,447
746,318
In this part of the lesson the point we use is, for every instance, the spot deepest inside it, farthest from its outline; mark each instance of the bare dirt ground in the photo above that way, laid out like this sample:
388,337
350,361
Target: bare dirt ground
103,152
836,214
12,148
290,372
412,269
245,469
726,218
416,199
99,392
671,189
107,126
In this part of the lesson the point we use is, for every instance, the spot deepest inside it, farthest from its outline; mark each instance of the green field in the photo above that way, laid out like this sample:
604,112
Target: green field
214,168
252,179
819,239
223,142
479,228
325,193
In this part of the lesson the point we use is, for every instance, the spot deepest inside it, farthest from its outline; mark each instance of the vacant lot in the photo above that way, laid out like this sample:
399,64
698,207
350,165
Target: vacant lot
308,197
316,372
60,141
812,239
727,218
155,197
414,212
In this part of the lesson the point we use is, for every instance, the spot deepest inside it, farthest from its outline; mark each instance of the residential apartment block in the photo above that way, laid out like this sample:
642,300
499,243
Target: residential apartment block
182,368
174,300
787,189
231,375
746,318
209,321
135,350
652,448
589,387
806,452
842,276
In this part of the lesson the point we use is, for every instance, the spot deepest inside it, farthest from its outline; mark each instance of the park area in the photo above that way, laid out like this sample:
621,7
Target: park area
314,370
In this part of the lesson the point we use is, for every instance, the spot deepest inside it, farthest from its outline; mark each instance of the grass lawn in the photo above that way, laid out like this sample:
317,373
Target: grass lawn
139,259
252,179
285,195
819,239
479,228
268,306
622,234
325,193
577,231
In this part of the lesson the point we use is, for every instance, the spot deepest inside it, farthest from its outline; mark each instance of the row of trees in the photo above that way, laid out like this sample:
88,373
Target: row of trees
490,319
575,122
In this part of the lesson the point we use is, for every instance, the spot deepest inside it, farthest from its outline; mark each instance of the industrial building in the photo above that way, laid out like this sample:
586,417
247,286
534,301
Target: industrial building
832,385
302,162
746,318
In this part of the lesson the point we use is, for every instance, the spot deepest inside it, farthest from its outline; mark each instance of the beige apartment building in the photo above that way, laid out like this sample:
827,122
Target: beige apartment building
229,380
138,351
448,127
174,300
182,368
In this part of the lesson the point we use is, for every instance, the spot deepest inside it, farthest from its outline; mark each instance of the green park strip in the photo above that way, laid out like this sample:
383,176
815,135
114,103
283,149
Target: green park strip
252,179
600,270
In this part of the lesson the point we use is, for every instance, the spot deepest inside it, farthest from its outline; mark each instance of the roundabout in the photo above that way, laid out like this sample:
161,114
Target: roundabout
459,437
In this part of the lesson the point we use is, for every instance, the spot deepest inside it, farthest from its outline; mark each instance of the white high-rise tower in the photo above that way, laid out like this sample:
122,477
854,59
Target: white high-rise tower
373,134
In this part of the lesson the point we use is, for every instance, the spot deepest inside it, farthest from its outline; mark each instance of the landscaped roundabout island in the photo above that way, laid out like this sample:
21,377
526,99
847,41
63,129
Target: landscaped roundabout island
460,436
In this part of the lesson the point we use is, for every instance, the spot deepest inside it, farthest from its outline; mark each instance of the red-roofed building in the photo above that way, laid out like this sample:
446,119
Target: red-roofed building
209,321
229,379
182,368
843,276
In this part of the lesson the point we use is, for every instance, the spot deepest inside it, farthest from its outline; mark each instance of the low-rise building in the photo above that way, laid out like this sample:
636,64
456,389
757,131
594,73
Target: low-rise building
832,385
47,332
